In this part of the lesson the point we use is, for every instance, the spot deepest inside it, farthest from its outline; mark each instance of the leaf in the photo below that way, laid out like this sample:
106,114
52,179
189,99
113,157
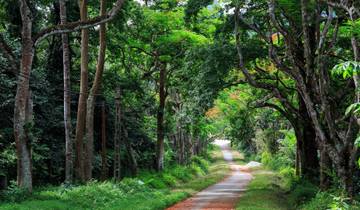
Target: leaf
346,69
352,108
357,141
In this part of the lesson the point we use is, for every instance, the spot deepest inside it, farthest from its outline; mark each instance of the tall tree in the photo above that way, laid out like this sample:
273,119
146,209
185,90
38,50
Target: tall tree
69,166
104,165
22,118
117,137
160,150
89,146
81,112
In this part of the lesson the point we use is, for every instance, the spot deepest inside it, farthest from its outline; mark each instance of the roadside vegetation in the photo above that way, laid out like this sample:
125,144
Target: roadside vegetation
263,192
148,191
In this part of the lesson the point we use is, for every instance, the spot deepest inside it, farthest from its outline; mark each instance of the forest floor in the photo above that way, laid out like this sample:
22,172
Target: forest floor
241,190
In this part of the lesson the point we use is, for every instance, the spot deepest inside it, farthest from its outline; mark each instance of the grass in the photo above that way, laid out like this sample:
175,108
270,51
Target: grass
149,191
263,193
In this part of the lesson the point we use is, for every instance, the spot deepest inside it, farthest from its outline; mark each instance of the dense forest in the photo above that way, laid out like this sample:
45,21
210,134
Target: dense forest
121,100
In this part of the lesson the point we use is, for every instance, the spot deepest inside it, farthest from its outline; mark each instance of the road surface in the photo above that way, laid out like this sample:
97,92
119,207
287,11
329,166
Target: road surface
223,195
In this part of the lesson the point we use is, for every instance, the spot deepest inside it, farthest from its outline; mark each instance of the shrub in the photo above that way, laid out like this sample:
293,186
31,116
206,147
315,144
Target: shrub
201,162
321,201
266,158
129,185
196,170
288,176
181,173
155,182
333,200
169,179
14,194
302,191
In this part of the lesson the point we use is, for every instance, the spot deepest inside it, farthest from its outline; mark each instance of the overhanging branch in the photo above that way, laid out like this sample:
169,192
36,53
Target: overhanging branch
78,25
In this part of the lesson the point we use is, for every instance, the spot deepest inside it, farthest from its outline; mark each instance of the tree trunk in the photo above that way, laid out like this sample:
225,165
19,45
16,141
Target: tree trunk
81,112
181,147
297,157
189,147
3,182
89,145
131,154
104,166
308,162
117,136
67,98
325,169
307,156
160,120
23,106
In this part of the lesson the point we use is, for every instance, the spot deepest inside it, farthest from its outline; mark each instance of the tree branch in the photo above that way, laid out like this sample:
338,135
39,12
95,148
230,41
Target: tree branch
78,25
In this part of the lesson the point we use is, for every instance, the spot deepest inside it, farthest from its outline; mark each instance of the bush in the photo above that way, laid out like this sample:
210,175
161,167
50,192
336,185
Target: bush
302,191
181,173
321,201
288,176
201,162
169,179
154,181
14,194
196,170
129,185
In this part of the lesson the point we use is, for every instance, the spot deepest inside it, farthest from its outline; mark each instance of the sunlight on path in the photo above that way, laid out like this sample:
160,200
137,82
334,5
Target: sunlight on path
223,195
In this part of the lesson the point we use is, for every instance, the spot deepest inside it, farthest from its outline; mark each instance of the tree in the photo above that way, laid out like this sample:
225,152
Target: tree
312,78
117,137
22,114
69,167
81,111
89,145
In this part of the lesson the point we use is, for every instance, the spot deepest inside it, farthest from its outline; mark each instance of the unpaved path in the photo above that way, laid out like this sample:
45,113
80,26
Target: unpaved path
223,195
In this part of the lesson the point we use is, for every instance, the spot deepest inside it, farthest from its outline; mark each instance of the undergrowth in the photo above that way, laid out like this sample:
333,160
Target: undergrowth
149,190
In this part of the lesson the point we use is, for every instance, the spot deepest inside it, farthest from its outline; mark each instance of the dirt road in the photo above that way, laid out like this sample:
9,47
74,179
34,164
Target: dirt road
223,195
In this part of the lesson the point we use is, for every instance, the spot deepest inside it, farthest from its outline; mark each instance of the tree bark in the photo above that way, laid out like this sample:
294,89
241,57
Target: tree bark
160,120
325,169
104,166
81,112
308,152
117,136
67,98
23,106
131,153
89,145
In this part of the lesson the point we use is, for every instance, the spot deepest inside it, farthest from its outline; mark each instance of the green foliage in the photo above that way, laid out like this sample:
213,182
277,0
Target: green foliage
193,7
302,191
346,69
322,200
332,200
14,193
201,162
285,156
128,194
174,175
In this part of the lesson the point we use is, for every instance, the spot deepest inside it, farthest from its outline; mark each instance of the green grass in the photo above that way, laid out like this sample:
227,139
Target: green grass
263,193
149,191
